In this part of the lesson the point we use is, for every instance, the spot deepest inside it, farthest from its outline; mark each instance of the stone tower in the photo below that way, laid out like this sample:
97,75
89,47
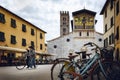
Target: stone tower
64,23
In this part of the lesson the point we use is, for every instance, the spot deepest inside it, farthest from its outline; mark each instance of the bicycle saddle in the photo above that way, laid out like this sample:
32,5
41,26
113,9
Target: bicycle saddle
82,52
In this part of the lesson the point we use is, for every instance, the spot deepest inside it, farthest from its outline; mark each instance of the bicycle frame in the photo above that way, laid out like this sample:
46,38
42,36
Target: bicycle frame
87,66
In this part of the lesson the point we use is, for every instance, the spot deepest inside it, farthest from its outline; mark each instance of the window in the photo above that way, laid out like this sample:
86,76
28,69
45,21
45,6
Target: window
117,33
2,37
99,39
87,33
55,46
68,40
106,28
64,31
23,27
32,31
110,40
41,37
13,39
41,47
13,23
117,8
106,42
2,18
23,42
64,23
111,22
32,43
64,18
80,34
105,13
111,4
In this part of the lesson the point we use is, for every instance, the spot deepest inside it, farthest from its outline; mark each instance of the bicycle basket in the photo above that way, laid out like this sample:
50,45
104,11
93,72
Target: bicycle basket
107,53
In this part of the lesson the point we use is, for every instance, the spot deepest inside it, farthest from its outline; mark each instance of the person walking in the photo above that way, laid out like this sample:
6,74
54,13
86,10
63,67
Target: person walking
32,56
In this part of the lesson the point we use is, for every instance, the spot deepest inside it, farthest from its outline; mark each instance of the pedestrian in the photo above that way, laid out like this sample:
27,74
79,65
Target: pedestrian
27,55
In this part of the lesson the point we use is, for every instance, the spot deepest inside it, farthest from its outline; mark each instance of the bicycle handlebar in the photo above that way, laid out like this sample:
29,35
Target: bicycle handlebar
89,43
93,44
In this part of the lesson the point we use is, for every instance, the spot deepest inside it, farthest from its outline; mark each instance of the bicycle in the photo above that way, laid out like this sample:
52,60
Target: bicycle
21,63
67,62
97,68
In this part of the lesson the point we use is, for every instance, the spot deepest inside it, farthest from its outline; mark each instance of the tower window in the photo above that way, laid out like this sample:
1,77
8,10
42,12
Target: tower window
64,23
64,19
23,27
13,39
13,23
23,42
2,18
64,31
2,37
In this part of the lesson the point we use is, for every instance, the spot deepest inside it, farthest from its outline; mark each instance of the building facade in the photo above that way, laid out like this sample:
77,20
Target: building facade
108,23
111,17
17,34
82,32
117,29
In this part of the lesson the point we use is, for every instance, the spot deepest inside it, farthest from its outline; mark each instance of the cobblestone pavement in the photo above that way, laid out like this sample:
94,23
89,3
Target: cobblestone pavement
42,72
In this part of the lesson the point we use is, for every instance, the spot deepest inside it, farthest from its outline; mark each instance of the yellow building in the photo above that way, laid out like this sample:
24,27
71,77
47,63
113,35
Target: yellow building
117,29
17,34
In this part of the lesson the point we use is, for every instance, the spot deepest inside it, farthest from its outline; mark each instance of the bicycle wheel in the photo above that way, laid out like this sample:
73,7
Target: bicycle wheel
71,76
55,70
70,71
111,69
20,64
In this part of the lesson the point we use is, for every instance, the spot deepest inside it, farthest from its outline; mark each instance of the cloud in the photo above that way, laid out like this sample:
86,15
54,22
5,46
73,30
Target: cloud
46,13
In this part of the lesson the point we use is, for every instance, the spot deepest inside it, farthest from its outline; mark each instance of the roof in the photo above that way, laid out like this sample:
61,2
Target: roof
84,11
21,18
59,37
105,5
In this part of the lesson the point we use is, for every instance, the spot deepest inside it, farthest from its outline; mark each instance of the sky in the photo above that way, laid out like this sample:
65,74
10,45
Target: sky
45,14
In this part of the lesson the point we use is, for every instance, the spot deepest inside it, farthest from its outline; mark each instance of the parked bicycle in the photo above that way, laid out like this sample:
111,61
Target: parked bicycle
68,62
100,67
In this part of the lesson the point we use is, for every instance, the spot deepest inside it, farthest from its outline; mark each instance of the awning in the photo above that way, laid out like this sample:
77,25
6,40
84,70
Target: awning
4,48
11,49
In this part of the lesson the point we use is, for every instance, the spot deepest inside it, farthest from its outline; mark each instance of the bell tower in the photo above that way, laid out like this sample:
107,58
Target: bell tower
64,23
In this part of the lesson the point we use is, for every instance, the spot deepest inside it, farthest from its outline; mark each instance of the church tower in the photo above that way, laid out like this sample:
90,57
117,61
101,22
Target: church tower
64,23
